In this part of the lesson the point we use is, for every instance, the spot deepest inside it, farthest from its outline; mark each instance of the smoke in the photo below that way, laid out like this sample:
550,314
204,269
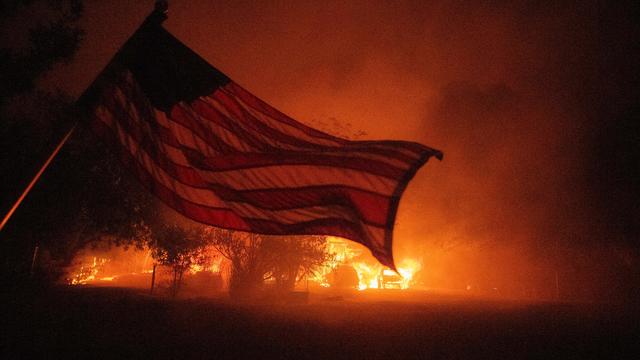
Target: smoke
509,92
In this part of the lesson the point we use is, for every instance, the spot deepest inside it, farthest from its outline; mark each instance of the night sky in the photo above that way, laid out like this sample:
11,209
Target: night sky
534,105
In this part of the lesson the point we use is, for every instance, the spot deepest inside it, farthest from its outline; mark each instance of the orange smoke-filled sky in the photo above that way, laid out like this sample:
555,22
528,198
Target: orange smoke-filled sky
511,93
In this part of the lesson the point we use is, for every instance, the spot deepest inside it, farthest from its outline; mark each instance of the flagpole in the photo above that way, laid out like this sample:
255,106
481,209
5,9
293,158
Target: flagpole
35,178
160,9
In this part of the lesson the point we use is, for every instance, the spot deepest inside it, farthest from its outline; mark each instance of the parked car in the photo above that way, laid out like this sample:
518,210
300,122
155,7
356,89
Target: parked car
389,279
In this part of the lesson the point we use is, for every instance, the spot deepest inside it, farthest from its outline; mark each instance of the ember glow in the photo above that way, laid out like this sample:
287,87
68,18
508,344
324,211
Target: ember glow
368,275
109,267
407,269
371,274
118,267
88,272
536,176
214,267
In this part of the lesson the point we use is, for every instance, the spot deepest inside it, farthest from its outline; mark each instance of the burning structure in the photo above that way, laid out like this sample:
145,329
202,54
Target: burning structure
370,273
347,265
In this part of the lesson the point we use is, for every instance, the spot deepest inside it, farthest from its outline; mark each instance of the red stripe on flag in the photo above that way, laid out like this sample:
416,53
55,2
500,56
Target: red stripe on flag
198,212
233,161
185,119
253,160
212,114
370,207
226,217
268,110
388,148
259,127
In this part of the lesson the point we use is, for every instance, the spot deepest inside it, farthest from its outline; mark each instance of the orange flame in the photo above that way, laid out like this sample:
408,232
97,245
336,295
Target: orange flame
371,274
88,273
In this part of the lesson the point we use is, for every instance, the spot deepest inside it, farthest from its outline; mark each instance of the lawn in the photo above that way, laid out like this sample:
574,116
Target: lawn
72,322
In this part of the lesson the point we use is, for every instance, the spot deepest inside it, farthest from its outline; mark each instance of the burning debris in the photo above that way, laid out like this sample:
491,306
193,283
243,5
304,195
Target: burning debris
132,268
89,272
97,266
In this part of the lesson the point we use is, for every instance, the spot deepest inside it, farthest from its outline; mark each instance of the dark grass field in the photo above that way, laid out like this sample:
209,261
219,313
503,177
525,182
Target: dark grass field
119,323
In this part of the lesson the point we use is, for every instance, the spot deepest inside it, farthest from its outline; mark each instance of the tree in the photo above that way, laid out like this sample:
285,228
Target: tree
178,248
256,258
294,257
33,119
249,263
54,39
85,196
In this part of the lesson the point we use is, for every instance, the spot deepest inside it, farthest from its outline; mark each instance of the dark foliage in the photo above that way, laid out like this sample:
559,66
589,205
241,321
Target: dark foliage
249,263
33,120
256,258
179,248
85,196
294,257
51,41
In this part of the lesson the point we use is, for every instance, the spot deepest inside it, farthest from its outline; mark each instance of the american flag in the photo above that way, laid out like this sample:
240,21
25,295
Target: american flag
217,154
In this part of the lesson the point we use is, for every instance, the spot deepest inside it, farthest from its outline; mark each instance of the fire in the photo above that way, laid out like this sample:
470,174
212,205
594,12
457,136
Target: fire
88,272
370,273
213,267
351,266
97,267
342,254
407,269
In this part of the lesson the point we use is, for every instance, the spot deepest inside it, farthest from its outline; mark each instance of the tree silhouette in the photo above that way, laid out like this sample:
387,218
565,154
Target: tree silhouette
294,257
179,248
85,196
256,258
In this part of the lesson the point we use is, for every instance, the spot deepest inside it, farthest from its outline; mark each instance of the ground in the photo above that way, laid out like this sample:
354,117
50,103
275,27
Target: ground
83,322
